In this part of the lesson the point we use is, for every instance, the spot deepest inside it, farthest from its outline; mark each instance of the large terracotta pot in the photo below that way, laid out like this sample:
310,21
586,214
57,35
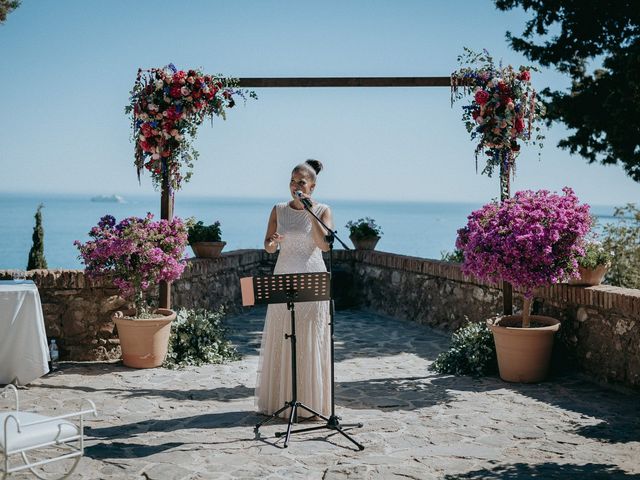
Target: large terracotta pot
207,249
144,342
524,354
367,243
590,276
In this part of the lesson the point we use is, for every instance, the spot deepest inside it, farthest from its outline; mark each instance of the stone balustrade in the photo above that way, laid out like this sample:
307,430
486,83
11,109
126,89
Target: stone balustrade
600,325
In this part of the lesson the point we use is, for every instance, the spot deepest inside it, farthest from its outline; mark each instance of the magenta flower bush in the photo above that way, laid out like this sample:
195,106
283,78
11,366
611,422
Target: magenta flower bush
531,240
136,253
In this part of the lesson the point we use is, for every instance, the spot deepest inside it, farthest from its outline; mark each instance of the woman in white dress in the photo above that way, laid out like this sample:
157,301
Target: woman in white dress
301,240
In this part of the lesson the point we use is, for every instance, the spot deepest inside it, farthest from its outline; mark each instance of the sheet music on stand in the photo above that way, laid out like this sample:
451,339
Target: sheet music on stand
286,287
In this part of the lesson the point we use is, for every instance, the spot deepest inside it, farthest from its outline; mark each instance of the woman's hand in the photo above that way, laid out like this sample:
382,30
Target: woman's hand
304,199
274,239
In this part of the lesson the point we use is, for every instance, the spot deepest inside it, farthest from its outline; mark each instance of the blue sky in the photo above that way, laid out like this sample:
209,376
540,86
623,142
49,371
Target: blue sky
69,65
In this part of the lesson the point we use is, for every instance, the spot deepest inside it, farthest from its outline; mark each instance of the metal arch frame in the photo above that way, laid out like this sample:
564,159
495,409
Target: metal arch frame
166,203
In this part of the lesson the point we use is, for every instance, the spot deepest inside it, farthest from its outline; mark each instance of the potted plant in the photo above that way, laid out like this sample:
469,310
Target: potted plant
364,233
205,240
531,240
136,254
593,265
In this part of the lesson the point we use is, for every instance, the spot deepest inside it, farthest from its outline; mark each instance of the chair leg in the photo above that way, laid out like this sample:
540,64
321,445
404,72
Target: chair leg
42,477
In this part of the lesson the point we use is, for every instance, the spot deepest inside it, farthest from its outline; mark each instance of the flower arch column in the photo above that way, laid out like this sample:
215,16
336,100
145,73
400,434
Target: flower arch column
167,106
502,113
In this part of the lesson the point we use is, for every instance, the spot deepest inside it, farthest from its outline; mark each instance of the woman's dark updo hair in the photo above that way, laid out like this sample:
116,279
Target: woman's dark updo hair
311,167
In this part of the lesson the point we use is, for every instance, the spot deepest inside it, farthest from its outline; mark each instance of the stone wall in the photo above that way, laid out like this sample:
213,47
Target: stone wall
78,312
210,283
600,331
600,325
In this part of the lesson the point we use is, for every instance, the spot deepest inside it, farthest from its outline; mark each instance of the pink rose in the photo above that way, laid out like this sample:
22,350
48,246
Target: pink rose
525,75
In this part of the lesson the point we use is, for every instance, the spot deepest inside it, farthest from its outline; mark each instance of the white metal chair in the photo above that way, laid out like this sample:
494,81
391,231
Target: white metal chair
24,432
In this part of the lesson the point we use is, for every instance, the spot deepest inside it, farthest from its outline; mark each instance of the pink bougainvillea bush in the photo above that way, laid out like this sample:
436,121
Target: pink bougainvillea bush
136,253
531,240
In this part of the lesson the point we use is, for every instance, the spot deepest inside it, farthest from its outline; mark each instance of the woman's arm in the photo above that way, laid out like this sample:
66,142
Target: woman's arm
319,232
272,238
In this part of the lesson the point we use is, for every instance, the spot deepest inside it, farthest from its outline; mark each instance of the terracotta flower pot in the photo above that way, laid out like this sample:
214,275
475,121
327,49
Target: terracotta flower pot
207,249
524,354
366,243
144,342
590,276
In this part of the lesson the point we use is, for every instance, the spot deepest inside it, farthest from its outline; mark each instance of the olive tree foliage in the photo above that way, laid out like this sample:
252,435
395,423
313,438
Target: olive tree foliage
622,239
6,7
602,107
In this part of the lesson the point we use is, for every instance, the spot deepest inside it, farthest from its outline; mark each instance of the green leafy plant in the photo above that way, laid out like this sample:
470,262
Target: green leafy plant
198,338
455,257
199,232
595,254
364,228
623,240
472,352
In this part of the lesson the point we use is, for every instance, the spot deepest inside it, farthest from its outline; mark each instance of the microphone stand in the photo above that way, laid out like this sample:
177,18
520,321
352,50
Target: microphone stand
334,420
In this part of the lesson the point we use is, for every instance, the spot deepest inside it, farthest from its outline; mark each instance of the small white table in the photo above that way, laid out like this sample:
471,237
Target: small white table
24,353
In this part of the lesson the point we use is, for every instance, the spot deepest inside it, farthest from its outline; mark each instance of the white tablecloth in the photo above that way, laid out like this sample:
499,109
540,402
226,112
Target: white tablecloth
23,341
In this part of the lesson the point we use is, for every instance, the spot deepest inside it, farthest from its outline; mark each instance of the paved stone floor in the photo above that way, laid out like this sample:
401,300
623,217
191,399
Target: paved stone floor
198,423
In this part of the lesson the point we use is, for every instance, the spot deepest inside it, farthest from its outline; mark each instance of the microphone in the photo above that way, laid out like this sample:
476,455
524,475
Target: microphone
305,201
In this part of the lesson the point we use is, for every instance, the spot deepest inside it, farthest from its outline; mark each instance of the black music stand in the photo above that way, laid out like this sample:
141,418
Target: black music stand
290,289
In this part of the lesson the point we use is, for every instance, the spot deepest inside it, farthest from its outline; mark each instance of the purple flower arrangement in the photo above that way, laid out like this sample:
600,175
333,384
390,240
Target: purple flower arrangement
136,253
531,240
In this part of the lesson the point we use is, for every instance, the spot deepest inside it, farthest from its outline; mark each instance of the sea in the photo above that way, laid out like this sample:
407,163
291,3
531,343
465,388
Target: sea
421,229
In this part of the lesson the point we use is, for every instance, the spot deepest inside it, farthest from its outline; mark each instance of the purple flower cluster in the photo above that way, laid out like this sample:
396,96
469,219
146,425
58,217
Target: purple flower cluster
136,253
530,240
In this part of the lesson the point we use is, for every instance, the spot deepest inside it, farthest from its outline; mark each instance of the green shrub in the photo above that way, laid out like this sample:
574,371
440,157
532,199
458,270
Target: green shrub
472,352
623,240
198,338
455,257
364,228
199,232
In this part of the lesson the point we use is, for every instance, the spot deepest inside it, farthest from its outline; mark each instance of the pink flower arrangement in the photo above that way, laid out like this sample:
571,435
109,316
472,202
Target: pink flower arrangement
167,105
136,253
530,240
503,110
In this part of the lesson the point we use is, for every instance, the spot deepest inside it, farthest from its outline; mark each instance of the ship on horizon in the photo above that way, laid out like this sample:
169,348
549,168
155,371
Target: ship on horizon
108,199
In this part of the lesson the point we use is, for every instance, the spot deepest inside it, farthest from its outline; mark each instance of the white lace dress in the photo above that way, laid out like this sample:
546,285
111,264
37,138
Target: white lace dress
298,254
